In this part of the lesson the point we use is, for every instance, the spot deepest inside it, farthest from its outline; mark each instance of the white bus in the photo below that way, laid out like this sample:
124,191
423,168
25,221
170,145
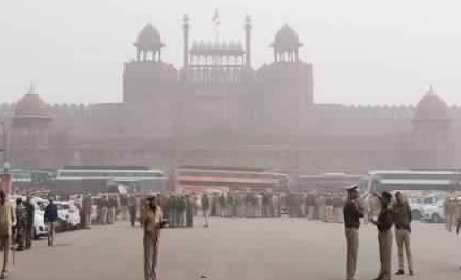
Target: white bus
98,178
414,180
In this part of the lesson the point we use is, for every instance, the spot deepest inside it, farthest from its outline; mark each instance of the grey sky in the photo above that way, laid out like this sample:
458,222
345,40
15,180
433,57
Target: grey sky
363,51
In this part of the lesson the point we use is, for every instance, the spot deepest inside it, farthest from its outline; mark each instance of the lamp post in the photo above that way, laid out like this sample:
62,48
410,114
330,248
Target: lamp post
3,149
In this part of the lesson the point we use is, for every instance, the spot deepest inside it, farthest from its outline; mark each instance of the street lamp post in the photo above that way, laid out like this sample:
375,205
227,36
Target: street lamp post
3,149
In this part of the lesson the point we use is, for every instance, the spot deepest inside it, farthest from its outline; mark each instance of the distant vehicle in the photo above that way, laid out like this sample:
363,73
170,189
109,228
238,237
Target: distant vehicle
69,214
102,178
212,178
434,212
418,204
40,228
414,180
326,181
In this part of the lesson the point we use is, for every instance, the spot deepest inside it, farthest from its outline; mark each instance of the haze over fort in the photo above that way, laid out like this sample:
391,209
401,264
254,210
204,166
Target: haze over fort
362,52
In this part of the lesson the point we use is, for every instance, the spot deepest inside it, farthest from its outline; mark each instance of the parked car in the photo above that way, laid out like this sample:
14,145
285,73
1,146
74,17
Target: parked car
40,228
434,213
418,204
68,214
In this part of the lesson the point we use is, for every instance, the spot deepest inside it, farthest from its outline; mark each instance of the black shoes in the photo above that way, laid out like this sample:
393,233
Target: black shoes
400,272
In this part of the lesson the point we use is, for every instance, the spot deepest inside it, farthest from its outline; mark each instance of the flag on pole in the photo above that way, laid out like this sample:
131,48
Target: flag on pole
216,19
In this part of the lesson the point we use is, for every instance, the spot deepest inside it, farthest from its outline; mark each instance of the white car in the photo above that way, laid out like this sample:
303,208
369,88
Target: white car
434,213
40,228
68,213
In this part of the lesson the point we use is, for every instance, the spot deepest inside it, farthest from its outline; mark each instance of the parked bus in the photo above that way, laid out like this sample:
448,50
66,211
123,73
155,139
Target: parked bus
198,179
71,179
414,180
326,181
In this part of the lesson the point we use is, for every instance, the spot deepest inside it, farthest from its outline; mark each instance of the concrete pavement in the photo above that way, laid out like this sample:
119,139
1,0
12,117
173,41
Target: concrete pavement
232,249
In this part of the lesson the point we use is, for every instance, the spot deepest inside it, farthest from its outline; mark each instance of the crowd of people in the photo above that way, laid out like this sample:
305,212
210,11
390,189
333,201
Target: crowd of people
176,210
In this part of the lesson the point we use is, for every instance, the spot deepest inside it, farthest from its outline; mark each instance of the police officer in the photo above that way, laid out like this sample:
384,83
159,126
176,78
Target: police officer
21,225
402,220
132,209
384,224
205,208
6,235
151,221
87,209
30,221
189,211
352,212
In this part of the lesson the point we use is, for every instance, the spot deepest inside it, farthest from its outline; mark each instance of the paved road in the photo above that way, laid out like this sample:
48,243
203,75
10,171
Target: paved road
232,249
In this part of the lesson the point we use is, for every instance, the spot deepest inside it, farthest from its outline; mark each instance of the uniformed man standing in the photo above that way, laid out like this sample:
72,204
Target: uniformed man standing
104,204
402,220
21,225
450,213
352,212
205,208
30,221
151,221
132,209
87,209
189,211
384,224
6,235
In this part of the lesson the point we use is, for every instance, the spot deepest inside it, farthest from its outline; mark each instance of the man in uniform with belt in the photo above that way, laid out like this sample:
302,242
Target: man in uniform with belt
402,220
151,221
6,234
352,212
384,224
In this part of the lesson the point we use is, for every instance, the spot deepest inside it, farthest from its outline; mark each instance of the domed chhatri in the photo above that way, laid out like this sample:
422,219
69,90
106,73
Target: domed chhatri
149,44
286,39
149,38
431,108
286,45
31,106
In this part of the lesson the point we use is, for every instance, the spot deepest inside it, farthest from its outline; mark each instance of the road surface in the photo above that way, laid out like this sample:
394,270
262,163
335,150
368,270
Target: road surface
232,249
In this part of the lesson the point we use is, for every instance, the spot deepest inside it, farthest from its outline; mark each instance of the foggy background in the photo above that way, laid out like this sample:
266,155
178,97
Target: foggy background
363,52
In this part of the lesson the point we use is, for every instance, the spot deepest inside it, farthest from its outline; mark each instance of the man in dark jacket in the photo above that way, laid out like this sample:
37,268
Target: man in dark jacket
51,217
384,224
352,212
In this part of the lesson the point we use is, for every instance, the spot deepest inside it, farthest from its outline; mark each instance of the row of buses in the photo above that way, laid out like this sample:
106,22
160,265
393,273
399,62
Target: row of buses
200,178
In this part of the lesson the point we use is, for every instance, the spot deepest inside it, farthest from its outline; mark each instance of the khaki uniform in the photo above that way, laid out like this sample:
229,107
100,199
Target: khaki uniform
352,247
450,213
151,223
6,222
385,253
402,220
385,222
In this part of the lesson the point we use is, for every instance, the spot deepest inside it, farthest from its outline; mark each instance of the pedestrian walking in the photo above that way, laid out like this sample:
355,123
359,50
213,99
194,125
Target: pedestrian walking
51,217
151,221
384,224
402,220
6,234
352,212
